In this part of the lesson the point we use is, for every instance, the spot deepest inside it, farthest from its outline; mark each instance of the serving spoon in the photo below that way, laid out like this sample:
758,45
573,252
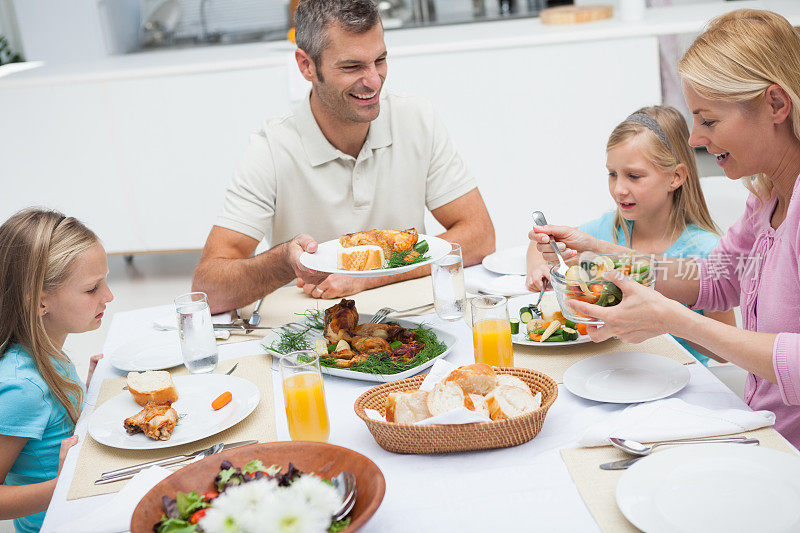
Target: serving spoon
539,220
637,448
345,485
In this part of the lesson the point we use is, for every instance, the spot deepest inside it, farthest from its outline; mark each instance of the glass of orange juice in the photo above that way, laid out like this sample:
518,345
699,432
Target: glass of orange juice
304,396
491,331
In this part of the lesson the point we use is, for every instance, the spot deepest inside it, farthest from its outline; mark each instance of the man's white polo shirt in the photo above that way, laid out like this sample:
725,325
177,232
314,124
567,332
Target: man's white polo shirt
292,180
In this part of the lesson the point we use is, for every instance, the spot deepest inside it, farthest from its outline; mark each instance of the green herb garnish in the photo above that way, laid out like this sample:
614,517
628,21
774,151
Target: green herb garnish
399,259
290,341
315,318
339,525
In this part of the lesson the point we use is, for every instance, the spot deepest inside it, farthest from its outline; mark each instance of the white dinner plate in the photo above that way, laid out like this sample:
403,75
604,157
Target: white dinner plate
157,350
713,488
626,377
324,259
548,306
448,338
508,261
197,419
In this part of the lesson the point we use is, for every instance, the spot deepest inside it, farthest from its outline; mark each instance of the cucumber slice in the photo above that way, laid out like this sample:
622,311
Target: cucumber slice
514,326
525,315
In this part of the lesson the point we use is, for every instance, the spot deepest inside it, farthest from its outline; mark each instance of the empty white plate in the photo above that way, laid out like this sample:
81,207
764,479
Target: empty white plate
197,419
626,377
324,259
508,261
157,350
713,488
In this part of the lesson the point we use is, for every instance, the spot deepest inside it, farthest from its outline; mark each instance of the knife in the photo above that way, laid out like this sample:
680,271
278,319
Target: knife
625,463
115,475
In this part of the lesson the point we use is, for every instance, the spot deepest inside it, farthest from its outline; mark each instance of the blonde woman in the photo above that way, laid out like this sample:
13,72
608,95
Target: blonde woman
741,80
53,277
652,177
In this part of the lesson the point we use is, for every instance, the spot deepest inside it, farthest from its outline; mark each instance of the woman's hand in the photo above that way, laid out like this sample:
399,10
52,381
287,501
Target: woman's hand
642,314
538,275
570,241
93,360
66,444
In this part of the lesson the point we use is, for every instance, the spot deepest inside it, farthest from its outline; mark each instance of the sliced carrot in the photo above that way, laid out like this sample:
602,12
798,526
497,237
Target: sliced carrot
535,338
222,400
583,329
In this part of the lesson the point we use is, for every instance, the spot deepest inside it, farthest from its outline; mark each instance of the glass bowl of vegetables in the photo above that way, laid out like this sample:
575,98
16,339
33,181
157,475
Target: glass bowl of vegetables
584,281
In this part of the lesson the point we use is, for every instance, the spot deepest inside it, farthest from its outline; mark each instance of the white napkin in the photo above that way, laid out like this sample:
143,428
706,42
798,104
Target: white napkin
115,515
222,318
508,285
673,419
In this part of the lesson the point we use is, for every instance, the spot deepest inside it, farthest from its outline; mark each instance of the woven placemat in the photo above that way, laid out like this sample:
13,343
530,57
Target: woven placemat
555,361
95,458
598,487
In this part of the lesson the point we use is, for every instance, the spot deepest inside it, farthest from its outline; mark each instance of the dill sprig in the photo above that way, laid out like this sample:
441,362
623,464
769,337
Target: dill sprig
291,341
315,318
399,259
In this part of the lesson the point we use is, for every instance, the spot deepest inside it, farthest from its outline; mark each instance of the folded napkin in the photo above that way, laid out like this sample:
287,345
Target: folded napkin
222,318
509,285
115,515
673,419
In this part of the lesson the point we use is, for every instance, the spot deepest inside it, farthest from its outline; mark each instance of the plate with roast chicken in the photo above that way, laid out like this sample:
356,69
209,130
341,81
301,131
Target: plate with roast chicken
376,252
159,412
349,345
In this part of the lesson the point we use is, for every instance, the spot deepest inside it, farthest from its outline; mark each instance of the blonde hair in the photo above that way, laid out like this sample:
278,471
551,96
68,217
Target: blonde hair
37,251
688,203
738,57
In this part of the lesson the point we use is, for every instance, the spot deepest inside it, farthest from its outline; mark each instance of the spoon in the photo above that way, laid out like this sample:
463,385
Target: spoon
255,318
637,448
345,485
539,220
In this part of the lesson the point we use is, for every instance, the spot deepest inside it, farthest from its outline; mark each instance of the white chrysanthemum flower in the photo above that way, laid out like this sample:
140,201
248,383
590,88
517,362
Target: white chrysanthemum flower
317,494
290,513
217,520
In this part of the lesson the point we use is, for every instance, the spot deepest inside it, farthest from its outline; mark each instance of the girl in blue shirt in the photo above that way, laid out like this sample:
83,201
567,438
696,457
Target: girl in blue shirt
653,179
53,278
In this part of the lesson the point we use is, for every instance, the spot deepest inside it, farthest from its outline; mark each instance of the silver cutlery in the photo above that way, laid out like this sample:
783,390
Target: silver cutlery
625,463
538,218
297,326
535,307
128,472
384,312
255,318
229,372
637,448
345,485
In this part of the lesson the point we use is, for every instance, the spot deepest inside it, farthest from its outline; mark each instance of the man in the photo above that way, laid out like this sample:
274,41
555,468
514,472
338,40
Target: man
347,159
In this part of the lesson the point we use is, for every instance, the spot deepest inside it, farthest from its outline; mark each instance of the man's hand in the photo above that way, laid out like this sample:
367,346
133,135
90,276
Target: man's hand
93,360
66,444
335,286
295,247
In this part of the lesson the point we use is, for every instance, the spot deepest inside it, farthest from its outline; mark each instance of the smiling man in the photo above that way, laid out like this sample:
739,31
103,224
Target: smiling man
350,157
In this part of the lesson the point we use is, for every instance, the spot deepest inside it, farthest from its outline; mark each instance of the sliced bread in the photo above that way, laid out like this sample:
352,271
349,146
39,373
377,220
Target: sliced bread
512,381
407,407
507,402
445,397
478,378
366,257
152,386
477,403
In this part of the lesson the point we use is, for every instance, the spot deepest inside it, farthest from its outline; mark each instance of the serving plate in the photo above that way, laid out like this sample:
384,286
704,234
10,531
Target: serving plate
323,459
712,488
448,338
626,377
197,419
548,305
324,259
508,261
157,350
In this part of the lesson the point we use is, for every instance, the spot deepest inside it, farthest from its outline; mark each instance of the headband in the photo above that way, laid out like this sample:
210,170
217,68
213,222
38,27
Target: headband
650,123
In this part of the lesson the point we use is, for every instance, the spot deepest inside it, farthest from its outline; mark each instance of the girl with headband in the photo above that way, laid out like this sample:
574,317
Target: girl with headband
53,277
741,81
652,177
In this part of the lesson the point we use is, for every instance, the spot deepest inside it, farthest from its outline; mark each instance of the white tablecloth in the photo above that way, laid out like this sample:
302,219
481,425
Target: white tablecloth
523,488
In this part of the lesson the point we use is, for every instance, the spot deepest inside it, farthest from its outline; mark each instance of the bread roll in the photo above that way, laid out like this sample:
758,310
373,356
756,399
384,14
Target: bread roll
407,407
445,397
366,257
507,402
477,403
152,386
474,379
513,381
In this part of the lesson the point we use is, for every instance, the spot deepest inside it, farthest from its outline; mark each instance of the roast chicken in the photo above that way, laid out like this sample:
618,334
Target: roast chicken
391,240
155,421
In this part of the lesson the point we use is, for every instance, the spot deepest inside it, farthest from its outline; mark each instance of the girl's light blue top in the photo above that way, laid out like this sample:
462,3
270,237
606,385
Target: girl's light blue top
29,409
693,242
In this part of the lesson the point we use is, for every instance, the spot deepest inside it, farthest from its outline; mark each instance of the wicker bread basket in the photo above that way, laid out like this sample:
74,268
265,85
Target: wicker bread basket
408,438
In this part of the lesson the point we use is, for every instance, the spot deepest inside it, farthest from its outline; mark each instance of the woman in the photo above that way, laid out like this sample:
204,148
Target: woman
741,80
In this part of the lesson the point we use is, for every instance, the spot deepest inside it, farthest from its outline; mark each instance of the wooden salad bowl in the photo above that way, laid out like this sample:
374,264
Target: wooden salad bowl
323,459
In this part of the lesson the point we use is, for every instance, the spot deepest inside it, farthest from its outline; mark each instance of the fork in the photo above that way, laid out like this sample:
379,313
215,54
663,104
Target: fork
383,312
535,307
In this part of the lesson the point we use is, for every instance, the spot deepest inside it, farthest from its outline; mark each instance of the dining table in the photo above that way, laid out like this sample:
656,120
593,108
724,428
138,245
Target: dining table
521,488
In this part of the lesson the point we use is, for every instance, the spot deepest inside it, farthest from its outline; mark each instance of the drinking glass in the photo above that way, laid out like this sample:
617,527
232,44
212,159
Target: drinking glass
198,343
491,331
304,396
449,296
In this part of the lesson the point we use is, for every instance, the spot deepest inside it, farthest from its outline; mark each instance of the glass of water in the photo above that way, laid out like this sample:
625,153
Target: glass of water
198,343
449,296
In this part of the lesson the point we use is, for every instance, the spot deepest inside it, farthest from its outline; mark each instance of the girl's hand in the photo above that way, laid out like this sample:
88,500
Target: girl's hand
570,241
93,360
537,276
66,444
642,314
